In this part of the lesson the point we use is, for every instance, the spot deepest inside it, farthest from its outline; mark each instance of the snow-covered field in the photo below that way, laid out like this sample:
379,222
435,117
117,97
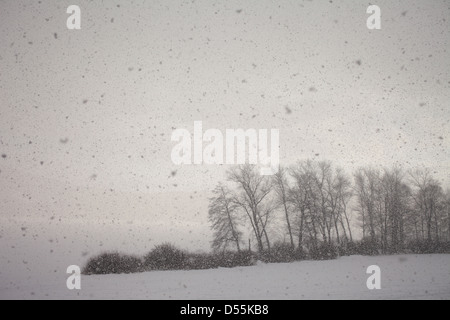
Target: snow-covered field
402,277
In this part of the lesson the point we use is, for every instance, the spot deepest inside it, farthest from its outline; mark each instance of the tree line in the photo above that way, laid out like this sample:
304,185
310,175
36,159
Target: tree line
313,208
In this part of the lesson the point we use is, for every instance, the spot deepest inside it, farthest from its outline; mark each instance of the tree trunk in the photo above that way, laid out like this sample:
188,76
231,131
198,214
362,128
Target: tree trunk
289,225
300,236
267,240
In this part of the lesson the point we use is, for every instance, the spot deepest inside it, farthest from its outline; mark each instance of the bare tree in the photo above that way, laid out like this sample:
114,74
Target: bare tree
428,197
253,193
302,197
317,202
367,191
396,196
343,190
281,187
298,197
224,220
320,173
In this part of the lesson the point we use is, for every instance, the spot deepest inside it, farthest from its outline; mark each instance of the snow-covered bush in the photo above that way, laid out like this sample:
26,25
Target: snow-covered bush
201,261
282,252
113,263
368,247
323,251
166,257
230,259
427,247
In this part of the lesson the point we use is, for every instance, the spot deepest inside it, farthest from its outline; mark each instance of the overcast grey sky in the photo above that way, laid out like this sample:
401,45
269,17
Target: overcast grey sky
86,116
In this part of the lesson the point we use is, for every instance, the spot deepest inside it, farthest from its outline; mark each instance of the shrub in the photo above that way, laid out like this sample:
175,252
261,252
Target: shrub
323,251
230,259
367,247
201,261
427,247
445,247
351,249
113,263
166,257
347,248
300,254
282,252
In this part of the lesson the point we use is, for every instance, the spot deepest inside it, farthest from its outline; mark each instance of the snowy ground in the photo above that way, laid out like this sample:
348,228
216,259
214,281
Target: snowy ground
403,277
